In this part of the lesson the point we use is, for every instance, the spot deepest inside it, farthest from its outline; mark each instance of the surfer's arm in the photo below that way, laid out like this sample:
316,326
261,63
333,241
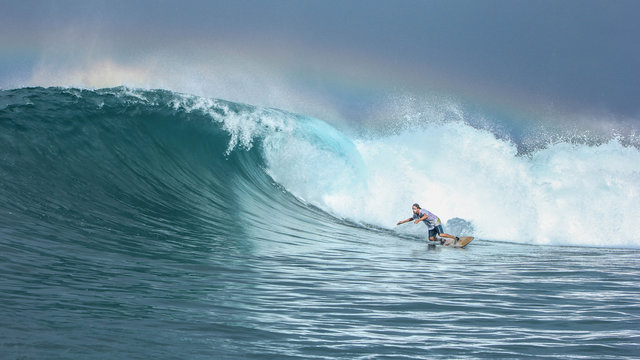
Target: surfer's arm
424,217
404,221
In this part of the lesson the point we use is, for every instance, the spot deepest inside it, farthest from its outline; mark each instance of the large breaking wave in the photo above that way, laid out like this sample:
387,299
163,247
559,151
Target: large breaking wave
89,161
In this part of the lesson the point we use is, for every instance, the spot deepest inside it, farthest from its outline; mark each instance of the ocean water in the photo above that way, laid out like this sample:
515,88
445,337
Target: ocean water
142,224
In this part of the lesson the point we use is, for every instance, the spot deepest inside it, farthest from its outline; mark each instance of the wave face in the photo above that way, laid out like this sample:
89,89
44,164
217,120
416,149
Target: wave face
120,162
86,161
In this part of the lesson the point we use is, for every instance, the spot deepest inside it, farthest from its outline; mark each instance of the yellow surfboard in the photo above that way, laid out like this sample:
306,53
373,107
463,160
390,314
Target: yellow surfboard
460,243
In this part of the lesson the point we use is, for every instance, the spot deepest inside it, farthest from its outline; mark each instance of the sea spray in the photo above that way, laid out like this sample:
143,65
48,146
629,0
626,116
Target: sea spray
566,194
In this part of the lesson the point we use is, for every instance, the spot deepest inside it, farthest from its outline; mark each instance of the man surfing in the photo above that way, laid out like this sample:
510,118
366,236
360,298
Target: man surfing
431,220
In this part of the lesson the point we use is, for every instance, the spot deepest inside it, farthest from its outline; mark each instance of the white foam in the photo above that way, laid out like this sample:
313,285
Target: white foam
564,194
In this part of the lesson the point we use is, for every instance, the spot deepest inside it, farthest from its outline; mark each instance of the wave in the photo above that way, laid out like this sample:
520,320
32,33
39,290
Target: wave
153,163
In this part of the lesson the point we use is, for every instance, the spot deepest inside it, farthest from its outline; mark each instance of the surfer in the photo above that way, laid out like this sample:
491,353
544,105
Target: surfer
431,220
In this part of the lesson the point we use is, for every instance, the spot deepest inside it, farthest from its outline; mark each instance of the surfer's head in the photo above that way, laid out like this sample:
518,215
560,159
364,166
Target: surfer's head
416,208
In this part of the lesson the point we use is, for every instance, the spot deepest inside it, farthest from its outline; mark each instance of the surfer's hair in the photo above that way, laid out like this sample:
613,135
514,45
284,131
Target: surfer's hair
417,205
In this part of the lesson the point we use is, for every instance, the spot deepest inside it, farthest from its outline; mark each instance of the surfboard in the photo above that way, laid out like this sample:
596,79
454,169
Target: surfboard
460,243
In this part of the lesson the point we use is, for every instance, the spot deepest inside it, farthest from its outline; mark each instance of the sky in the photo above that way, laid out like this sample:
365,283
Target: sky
337,59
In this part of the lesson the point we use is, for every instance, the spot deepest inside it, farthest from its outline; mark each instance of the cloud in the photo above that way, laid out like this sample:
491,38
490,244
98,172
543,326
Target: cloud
100,74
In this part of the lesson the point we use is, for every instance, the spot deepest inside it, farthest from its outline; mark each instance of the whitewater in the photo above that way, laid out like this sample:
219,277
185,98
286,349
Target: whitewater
565,193
147,223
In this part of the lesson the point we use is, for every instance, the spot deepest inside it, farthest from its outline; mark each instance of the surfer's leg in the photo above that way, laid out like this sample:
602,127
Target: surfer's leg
449,236
432,234
443,234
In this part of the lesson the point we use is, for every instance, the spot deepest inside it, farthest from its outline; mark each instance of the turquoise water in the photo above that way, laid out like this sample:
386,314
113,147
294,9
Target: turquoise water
148,224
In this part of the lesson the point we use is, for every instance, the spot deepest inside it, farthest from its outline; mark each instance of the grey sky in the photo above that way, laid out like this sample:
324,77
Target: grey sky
581,54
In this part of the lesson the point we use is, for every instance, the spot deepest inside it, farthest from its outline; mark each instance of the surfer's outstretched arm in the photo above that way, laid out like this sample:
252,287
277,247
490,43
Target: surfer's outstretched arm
424,217
404,221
